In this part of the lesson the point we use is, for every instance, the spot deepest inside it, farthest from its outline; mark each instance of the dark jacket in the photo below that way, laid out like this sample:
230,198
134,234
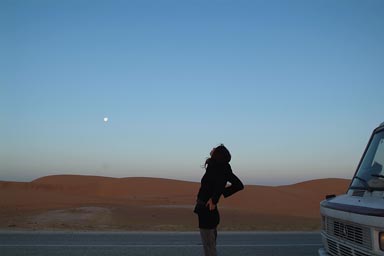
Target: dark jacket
214,181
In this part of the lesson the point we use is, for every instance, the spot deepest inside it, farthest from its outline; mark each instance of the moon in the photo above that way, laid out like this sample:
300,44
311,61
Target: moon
105,119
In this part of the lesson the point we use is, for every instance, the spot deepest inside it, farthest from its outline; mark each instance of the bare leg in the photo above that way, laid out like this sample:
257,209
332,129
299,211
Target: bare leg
208,238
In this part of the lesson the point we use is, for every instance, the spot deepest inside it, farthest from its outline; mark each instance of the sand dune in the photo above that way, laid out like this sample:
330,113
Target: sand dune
92,202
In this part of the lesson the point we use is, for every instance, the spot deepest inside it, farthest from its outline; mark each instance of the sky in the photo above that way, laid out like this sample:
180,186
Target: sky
292,88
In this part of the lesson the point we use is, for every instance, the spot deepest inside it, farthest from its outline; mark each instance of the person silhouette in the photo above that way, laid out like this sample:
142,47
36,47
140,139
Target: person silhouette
214,184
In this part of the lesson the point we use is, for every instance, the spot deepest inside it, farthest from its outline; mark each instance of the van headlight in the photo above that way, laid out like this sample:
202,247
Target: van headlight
381,240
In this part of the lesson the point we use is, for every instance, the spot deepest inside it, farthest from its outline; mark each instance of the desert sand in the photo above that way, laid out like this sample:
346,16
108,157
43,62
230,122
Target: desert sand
74,202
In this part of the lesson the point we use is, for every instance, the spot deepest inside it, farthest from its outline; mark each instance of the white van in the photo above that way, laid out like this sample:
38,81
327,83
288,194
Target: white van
353,224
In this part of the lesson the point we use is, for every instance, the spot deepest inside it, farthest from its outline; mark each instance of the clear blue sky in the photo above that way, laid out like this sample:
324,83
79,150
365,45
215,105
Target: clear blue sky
292,88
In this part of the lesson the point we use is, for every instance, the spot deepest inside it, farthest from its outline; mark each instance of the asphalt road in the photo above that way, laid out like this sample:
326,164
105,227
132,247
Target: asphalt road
156,243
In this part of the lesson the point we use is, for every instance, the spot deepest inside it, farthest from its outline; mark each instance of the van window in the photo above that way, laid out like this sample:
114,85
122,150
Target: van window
370,174
379,156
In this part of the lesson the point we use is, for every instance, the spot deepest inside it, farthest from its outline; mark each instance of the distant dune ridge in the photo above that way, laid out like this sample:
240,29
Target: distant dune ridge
74,202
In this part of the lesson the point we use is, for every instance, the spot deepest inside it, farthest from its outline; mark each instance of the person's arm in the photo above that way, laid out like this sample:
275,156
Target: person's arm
218,188
236,185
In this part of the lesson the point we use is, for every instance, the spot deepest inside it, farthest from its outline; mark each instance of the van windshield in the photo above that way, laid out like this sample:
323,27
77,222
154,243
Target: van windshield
370,175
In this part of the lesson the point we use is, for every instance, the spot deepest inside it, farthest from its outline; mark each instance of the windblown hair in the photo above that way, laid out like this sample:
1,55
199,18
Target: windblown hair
220,155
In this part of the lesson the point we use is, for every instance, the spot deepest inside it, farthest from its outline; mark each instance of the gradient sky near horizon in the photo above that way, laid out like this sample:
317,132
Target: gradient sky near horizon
292,88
